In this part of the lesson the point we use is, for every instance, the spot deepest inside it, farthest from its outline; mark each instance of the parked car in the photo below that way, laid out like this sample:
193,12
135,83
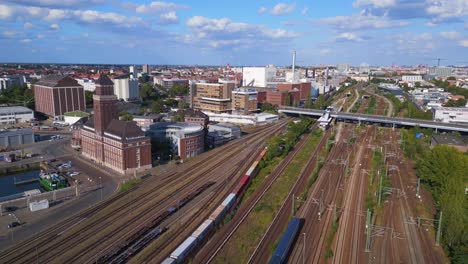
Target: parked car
74,173
14,224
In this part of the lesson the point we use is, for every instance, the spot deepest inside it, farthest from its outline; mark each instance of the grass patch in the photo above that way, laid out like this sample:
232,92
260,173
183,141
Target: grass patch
242,243
76,114
129,184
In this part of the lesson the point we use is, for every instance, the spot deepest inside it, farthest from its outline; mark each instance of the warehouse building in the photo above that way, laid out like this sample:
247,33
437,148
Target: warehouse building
458,115
15,114
11,138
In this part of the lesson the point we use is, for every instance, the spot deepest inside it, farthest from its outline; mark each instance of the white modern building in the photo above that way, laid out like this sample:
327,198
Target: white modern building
88,84
258,76
187,140
440,72
7,81
168,83
364,68
255,119
412,78
343,68
451,114
15,114
126,88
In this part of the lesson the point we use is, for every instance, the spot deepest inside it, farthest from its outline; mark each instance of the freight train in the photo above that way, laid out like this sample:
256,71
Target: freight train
197,238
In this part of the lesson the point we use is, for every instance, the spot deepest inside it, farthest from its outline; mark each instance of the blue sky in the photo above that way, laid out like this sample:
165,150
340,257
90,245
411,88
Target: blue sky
255,32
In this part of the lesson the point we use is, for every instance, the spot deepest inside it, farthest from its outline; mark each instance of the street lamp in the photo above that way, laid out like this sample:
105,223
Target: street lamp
303,247
100,185
11,228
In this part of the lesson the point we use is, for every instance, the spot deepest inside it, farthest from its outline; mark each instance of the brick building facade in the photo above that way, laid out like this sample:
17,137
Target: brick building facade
57,94
119,145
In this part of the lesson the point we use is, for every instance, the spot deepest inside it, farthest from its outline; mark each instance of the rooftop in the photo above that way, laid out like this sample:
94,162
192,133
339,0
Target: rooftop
58,81
448,139
124,129
104,80
14,109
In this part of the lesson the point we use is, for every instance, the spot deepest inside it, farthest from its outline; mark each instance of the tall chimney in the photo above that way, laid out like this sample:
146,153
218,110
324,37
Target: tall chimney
294,66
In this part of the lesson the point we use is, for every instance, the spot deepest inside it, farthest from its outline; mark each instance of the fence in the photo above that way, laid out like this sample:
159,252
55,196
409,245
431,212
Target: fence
51,196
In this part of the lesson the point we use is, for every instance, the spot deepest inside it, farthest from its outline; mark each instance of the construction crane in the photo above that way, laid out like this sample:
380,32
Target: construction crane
438,61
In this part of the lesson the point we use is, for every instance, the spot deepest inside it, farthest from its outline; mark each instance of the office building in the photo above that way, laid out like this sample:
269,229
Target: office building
442,72
187,140
343,68
8,81
258,76
57,94
119,145
213,97
412,78
304,89
364,68
244,100
126,88
146,69
15,114
169,82
457,115
88,84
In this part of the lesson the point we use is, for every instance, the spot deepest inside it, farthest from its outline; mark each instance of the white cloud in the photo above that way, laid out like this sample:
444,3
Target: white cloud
159,7
57,3
54,27
9,33
40,36
79,16
262,10
450,34
375,3
224,32
6,12
56,14
463,43
282,9
325,52
447,9
28,25
361,21
304,11
348,36
26,40
169,18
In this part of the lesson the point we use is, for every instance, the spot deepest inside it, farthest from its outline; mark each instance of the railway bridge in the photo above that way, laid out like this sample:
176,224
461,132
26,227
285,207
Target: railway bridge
377,119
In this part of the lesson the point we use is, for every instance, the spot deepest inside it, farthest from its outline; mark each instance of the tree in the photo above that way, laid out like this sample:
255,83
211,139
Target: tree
267,107
179,117
156,107
146,91
183,105
451,78
417,84
178,90
445,171
125,116
456,103
89,99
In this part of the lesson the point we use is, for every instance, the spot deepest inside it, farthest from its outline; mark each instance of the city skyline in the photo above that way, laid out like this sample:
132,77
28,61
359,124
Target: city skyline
403,32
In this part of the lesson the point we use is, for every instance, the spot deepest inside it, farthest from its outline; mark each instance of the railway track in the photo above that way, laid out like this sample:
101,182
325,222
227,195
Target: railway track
261,253
209,252
322,193
350,243
36,245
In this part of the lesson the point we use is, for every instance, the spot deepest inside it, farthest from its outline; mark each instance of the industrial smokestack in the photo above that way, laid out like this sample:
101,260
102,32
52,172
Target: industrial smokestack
294,66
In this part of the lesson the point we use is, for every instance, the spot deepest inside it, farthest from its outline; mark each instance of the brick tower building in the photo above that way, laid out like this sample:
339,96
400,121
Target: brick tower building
120,145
